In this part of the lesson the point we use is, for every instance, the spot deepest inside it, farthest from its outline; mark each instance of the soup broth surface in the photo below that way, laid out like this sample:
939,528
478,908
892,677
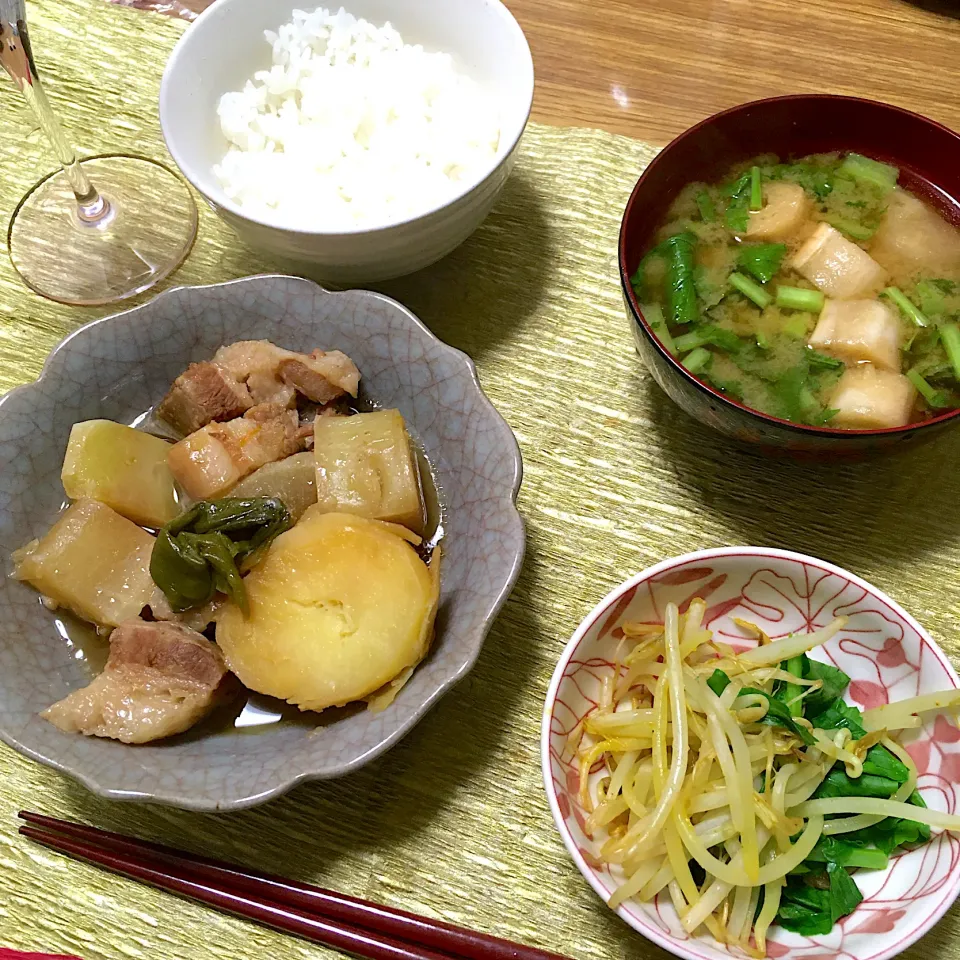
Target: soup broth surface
817,291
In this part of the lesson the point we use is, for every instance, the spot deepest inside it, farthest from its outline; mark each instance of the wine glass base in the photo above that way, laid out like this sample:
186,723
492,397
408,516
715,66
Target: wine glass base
146,234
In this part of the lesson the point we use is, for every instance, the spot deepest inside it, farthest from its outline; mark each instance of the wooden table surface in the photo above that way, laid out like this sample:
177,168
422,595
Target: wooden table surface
651,68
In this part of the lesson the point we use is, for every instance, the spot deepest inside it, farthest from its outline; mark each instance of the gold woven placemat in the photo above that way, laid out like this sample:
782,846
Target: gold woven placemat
453,822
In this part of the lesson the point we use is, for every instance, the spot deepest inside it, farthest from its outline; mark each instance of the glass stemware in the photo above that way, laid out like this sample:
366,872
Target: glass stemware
100,229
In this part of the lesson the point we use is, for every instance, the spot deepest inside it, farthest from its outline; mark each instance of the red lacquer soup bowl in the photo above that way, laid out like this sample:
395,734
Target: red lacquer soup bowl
888,657
928,156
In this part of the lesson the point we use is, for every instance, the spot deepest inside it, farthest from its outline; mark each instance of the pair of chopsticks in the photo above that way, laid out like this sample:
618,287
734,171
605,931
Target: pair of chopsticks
355,926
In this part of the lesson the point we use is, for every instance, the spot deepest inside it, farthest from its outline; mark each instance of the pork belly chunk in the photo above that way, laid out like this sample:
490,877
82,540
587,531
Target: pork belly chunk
254,364
251,372
211,460
201,394
266,368
160,679
321,377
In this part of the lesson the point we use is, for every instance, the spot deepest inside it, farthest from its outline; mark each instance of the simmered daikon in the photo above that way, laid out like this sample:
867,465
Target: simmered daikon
294,481
122,467
93,561
366,466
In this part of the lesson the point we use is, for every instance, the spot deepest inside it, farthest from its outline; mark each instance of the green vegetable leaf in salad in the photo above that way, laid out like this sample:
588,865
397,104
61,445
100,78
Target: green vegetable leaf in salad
718,681
834,680
791,693
837,715
892,832
838,784
812,910
845,854
845,896
833,684
880,762
777,715
805,909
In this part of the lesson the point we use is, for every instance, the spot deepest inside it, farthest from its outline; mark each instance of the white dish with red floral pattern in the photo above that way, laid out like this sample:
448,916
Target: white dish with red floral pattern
888,656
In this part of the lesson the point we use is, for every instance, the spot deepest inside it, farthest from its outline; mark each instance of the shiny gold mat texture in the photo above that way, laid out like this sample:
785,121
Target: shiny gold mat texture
453,822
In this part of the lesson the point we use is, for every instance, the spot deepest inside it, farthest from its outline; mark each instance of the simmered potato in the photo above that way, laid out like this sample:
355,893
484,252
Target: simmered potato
293,480
93,561
339,607
366,466
124,468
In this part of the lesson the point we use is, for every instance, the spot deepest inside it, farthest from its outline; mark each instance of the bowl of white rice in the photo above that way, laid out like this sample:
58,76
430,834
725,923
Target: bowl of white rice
368,141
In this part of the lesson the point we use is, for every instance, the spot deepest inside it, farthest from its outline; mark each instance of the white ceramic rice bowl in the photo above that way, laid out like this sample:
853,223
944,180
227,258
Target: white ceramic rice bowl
226,46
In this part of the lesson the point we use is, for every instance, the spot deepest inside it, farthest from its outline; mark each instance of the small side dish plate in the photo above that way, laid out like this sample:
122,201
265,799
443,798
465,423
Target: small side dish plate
118,368
888,656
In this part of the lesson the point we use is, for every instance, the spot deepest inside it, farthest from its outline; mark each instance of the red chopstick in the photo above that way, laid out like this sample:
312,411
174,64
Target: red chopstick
7,953
369,930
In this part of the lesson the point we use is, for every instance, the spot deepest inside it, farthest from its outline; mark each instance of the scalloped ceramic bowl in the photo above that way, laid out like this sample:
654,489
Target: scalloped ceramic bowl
883,649
118,368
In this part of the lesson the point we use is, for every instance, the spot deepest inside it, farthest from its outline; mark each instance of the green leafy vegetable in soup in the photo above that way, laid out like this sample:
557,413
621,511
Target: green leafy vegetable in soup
818,291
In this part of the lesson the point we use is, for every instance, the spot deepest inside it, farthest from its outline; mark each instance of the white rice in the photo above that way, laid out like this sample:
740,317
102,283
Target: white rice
352,128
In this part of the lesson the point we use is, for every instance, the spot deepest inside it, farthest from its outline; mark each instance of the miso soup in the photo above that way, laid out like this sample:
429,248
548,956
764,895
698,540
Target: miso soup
817,291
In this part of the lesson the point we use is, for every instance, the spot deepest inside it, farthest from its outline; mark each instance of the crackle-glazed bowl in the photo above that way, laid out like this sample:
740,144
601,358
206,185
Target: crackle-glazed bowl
886,653
119,367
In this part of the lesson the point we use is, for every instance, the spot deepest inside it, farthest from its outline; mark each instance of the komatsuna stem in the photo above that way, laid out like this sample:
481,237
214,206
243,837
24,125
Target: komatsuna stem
17,59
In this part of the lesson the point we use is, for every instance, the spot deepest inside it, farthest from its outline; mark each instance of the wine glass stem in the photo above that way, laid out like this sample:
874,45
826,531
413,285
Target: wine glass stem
17,58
